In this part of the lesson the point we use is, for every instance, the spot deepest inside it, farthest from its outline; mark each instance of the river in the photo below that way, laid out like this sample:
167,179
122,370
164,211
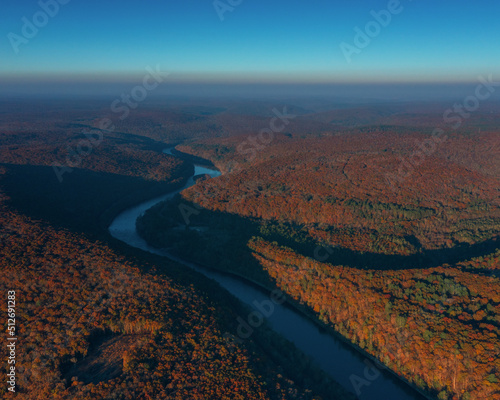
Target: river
340,360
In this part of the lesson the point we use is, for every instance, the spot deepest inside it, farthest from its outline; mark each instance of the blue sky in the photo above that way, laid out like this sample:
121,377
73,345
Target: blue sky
275,41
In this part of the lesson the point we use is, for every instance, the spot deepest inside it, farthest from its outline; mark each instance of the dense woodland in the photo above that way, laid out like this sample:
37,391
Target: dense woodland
438,327
340,189
401,261
94,324
409,261
98,320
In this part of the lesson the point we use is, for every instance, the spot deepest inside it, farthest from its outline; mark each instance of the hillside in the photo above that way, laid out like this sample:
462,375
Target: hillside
405,265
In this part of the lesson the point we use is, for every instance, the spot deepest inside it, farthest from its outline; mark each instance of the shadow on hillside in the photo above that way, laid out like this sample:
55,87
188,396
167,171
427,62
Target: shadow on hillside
104,361
219,240
83,201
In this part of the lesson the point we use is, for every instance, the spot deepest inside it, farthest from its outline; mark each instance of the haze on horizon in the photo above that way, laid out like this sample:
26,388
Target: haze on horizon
375,49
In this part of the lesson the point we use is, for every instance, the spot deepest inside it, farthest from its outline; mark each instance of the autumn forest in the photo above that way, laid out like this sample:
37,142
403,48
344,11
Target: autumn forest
376,227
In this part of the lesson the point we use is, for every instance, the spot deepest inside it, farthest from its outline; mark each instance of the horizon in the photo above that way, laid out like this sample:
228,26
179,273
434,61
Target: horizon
63,46
168,89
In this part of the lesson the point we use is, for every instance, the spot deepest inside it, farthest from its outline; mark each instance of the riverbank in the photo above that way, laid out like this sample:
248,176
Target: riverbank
305,313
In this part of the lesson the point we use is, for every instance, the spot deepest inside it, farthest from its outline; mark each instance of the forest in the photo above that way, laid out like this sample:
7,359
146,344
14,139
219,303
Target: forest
100,320
96,324
404,265
250,200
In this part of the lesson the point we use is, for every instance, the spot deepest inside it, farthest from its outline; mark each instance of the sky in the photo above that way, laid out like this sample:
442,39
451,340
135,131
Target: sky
248,42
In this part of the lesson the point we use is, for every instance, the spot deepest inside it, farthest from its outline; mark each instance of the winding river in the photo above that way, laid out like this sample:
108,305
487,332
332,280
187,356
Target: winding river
341,361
